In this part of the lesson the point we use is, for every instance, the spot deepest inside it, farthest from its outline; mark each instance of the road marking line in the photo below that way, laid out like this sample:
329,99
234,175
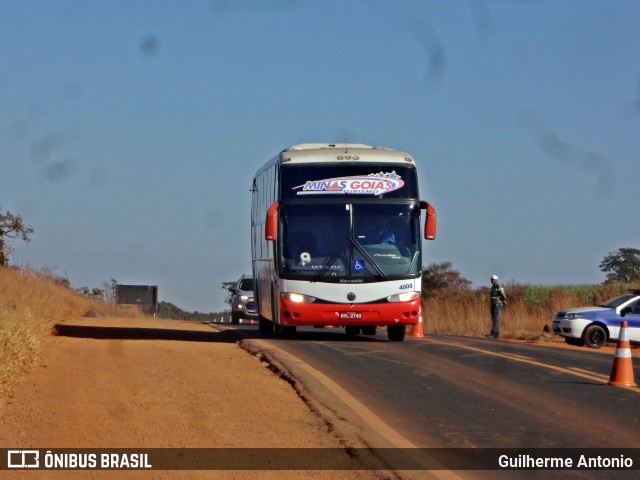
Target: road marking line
600,375
370,418
579,373
515,355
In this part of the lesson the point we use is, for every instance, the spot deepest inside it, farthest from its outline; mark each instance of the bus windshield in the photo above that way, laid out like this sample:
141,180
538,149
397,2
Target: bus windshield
349,242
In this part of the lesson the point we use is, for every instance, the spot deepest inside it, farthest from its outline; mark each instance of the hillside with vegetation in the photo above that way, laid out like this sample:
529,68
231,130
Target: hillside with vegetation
31,303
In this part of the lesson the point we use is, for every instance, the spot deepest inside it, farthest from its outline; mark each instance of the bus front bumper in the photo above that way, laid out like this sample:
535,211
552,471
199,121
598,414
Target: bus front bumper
317,314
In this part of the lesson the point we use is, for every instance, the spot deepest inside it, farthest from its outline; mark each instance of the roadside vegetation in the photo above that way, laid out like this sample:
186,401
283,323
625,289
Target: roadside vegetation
31,303
451,307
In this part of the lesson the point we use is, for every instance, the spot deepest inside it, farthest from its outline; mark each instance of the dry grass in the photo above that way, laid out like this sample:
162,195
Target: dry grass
30,304
527,316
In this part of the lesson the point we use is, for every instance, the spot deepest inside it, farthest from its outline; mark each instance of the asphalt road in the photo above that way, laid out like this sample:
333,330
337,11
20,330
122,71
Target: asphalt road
459,392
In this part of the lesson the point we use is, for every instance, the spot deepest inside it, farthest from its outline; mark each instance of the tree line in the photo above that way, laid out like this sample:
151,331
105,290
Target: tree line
620,266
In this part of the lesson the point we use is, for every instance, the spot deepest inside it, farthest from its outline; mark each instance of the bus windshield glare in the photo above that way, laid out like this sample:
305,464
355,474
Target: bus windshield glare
349,241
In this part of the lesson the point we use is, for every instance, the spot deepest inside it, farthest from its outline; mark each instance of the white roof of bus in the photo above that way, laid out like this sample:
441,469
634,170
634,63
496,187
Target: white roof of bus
337,152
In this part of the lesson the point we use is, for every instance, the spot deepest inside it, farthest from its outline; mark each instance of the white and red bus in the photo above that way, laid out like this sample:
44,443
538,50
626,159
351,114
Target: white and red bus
336,239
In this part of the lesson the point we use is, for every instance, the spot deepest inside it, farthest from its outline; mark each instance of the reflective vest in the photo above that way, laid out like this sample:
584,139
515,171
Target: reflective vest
497,292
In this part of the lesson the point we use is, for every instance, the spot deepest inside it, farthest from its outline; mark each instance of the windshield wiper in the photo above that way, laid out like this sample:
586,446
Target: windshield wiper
350,240
344,246
330,262
361,249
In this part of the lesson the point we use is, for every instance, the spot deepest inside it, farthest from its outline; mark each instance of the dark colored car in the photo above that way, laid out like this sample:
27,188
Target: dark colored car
243,305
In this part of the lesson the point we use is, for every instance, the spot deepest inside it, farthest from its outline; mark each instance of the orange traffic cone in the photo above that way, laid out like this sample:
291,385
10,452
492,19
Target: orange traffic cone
622,370
417,330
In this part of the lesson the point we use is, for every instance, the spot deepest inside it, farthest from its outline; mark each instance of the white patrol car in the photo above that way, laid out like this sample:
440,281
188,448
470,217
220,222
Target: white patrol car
594,326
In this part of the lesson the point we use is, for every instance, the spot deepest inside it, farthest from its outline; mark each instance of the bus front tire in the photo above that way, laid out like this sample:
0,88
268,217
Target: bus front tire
265,327
369,330
287,332
284,331
352,330
396,332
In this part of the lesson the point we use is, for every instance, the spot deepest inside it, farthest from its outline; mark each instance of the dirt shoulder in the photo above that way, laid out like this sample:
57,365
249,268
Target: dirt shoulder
146,383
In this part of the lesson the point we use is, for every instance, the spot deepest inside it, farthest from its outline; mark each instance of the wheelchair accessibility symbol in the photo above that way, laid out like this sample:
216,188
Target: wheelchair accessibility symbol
358,265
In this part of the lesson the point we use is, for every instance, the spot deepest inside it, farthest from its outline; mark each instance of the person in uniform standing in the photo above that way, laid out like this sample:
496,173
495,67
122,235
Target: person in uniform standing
497,300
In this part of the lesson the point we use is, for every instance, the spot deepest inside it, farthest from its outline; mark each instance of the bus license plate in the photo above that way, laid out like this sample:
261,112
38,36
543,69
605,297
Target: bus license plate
350,315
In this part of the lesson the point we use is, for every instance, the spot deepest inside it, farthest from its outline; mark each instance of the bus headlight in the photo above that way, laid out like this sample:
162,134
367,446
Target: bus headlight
297,297
403,297
244,297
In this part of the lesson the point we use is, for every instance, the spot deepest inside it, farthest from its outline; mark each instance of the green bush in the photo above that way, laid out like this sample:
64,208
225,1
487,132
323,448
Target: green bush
538,295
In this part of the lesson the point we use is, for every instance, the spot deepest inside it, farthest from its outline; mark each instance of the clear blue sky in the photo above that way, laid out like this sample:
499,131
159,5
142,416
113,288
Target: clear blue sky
130,130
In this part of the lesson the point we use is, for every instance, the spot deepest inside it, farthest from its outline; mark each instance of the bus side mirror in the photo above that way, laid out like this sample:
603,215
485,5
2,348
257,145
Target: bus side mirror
271,226
431,222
